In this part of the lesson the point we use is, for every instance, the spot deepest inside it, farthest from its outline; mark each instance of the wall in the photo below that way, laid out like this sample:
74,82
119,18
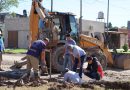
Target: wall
23,39
94,27
123,37
17,24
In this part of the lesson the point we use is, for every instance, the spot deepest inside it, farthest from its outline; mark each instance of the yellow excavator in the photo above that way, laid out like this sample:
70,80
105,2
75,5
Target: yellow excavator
65,23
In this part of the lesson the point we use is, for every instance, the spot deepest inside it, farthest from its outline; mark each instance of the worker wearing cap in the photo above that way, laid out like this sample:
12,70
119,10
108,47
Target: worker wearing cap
1,48
79,55
36,50
94,69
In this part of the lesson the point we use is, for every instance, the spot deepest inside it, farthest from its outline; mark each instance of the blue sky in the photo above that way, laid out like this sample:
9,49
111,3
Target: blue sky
118,16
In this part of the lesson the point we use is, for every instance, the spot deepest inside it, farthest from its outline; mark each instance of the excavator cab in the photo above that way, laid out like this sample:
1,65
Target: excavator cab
65,23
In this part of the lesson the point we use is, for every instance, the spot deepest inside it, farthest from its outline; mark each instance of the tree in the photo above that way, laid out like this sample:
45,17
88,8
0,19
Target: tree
6,4
110,25
13,14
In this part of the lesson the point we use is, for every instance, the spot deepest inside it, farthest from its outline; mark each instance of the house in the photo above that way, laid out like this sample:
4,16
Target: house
93,28
117,37
16,32
128,27
15,28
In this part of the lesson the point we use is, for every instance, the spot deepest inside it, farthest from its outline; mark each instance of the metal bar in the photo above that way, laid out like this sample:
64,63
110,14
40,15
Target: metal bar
50,64
108,15
80,21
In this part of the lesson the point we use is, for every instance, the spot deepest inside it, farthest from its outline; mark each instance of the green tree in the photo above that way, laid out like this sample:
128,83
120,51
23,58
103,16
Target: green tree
13,14
6,4
110,25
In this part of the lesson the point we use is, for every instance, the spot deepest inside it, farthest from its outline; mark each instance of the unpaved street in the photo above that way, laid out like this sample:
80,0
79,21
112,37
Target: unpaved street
8,59
112,75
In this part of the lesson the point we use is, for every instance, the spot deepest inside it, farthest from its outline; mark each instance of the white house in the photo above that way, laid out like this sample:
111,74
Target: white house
16,32
94,28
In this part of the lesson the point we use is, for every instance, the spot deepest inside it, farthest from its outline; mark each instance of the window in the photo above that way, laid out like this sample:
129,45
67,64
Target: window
73,25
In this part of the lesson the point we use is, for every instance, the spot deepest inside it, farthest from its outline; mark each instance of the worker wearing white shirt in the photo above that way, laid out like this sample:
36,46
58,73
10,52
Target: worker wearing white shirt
79,55
71,76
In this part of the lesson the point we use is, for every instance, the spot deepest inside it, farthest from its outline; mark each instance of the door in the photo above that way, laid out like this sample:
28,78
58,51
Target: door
13,39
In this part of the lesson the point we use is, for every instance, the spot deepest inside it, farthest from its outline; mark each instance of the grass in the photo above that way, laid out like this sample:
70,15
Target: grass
15,51
121,51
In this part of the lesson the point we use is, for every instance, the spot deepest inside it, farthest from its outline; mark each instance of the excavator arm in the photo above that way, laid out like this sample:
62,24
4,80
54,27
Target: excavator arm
36,13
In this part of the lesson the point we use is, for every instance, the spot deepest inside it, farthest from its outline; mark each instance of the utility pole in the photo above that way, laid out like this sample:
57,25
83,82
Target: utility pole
108,15
51,5
107,39
80,19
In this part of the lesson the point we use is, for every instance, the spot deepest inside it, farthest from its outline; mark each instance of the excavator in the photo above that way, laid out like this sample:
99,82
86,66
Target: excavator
66,23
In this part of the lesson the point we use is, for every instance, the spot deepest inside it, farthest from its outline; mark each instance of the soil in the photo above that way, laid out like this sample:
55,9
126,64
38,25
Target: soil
113,79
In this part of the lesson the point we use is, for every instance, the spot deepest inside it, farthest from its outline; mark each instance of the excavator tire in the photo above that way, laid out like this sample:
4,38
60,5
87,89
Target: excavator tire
102,59
58,59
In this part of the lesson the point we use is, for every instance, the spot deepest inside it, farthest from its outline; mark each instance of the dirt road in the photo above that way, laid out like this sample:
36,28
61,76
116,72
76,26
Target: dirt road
8,59
113,77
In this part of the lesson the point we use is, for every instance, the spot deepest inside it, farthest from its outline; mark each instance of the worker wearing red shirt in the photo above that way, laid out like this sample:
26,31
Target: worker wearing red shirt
94,69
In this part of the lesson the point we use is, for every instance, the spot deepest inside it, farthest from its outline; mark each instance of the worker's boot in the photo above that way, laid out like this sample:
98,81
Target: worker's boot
36,76
43,70
36,79
27,78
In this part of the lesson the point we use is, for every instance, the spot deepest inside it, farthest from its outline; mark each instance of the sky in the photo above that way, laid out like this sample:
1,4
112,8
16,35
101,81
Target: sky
119,10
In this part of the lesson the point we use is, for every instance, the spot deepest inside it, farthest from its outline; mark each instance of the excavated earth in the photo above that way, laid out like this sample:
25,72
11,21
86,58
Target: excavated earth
113,79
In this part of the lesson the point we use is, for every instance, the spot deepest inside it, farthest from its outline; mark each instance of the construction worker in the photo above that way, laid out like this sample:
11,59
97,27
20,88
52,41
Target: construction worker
55,31
94,69
67,56
1,48
36,50
72,77
79,55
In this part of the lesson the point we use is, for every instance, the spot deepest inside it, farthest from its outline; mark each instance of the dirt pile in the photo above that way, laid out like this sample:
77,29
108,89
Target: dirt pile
107,85
60,86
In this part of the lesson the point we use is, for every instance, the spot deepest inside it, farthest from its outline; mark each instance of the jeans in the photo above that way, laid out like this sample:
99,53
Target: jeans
67,62
81,65
93,75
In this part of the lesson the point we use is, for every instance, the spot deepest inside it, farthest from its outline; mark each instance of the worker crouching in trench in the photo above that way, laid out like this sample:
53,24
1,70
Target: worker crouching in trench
94,69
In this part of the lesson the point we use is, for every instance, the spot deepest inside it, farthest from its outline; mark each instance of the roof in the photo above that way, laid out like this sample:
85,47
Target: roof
115,32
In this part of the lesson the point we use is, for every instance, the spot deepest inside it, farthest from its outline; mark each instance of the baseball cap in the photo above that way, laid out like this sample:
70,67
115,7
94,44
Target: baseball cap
46,39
